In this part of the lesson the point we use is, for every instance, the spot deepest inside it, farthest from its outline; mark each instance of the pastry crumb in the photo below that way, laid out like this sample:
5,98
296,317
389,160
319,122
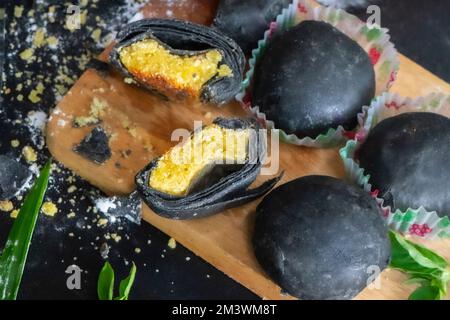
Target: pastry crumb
116,237
6,206
34,95
27,54
97,110
49,209
14,214
102,222
172,244
15,143
29,154
18,11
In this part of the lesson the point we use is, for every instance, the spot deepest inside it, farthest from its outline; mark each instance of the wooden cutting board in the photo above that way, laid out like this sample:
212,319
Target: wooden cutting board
142,123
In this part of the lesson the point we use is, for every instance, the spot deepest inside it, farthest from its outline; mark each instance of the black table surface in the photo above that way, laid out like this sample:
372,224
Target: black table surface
419,28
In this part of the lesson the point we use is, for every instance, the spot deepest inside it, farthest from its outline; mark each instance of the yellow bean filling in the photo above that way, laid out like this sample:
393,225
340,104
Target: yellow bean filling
156,66
179,169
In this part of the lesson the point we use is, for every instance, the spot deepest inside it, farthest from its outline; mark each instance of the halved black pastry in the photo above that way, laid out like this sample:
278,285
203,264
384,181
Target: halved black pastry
209,173
179,59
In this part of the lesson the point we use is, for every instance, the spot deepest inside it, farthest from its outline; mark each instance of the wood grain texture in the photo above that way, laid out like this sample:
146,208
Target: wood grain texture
142,123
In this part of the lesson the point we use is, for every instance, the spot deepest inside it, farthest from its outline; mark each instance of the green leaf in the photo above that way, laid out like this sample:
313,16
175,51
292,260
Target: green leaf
14,256
407,257
430,255
105,285
418,280
424,267
127,283
426,293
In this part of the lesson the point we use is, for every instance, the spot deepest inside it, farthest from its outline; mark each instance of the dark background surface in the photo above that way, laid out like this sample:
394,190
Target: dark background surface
419,28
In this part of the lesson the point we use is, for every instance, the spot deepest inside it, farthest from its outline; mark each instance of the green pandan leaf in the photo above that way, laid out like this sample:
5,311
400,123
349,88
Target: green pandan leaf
127,283
14,256
105,284
426,293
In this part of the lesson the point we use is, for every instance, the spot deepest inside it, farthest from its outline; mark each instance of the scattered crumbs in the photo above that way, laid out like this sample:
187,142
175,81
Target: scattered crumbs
29,154
6,206
116,237
71,215
39,37
71,235
97,110
20,97
14,214
34,95
128,80
72,189
52,41
126,124
137,250
15,143
27,54
51,14
172,244
49,209
126,153
96,34
102,222
208,115
133,132
101,90
148,147
18,11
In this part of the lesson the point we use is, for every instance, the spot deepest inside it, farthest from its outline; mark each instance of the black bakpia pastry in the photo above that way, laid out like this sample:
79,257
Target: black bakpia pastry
246,21
180,60
319,237
312,77
180,186
407,158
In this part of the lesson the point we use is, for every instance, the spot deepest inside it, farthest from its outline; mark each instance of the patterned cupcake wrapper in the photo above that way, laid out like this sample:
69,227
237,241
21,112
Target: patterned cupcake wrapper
374,40
417,222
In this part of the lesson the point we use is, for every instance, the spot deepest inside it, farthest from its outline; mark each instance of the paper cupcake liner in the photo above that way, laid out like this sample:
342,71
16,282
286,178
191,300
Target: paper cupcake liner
375,41
414,221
